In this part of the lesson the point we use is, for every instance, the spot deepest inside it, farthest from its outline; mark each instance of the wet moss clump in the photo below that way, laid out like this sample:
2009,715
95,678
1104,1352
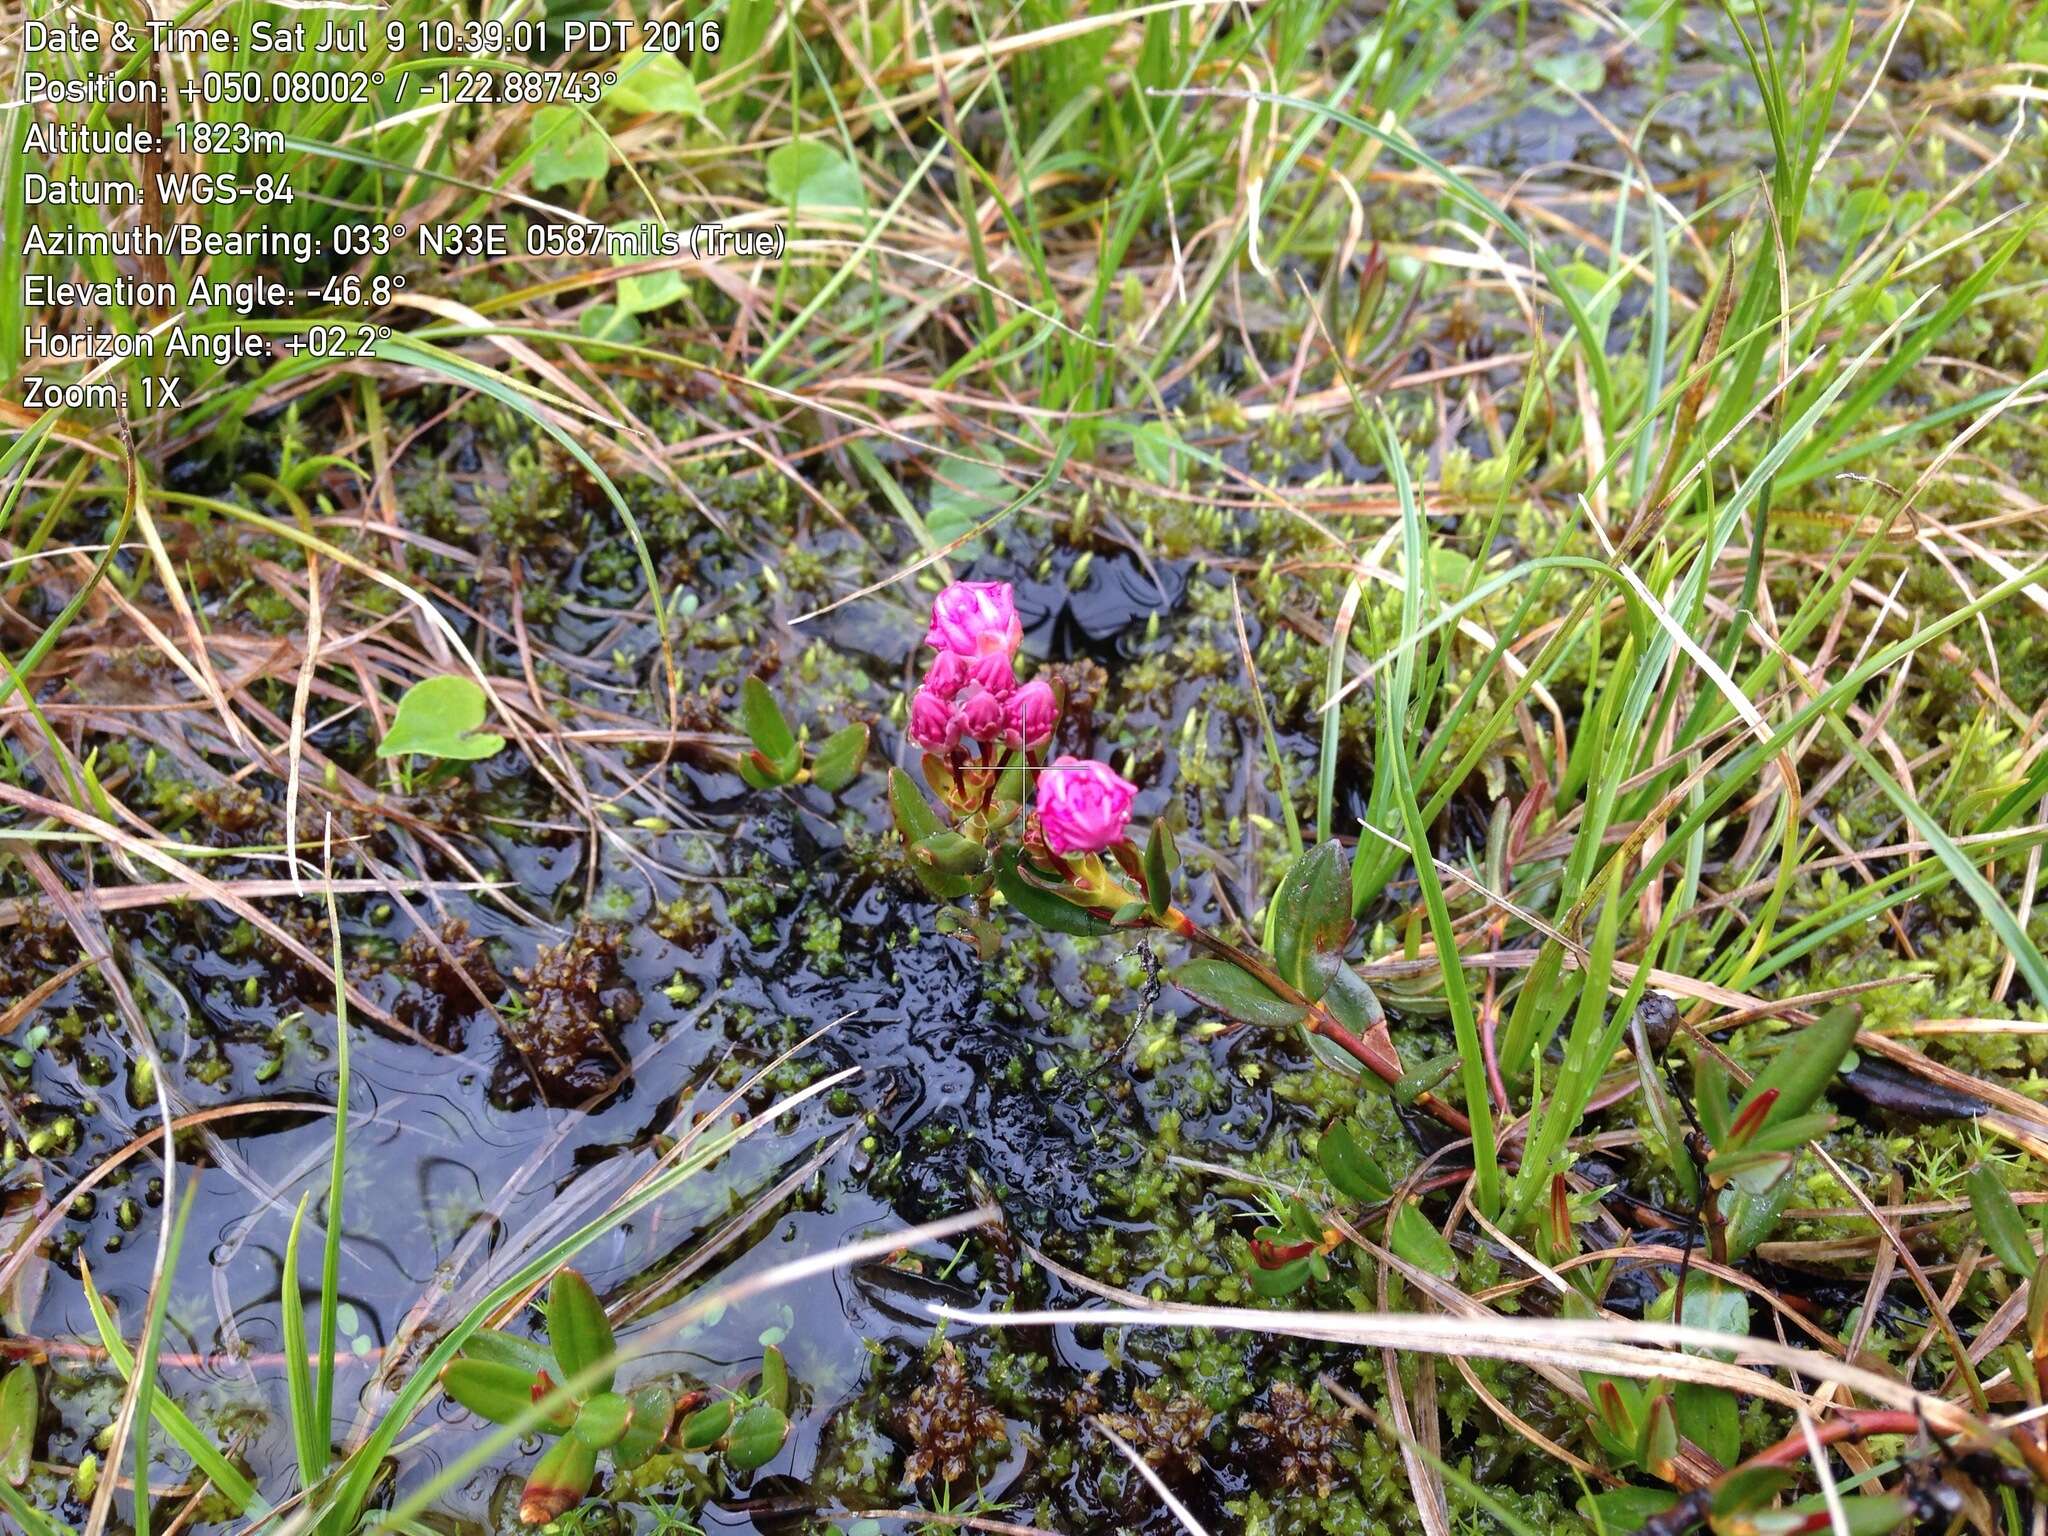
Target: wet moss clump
949,1422
563,1040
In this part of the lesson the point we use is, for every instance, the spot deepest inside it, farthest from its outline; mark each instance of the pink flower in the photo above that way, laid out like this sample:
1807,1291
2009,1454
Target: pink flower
975,618
1034,711
1083,807
948,674
982,714
934,722
993,671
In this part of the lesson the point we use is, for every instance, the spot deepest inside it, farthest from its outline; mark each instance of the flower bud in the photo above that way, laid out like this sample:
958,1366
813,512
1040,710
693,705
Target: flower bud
995,672
948,674
975,618
982,714
934,722
1083,807
1034,711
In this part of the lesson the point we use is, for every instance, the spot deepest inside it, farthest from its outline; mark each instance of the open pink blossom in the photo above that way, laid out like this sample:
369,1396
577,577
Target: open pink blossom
975,618
1034,711
1083,807
934,722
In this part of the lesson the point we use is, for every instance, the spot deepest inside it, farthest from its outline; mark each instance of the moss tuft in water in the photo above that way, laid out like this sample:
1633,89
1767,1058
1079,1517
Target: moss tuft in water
564,1042
947,1420
1302,1439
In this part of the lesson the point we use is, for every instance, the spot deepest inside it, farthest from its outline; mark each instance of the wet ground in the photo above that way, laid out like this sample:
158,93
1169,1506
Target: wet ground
1053,1084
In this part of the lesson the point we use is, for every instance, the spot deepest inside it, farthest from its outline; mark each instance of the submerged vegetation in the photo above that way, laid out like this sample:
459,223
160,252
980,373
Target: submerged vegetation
1271,768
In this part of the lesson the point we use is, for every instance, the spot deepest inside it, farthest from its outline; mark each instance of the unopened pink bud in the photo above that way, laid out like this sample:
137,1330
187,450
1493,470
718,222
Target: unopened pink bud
1034,711
995,672
948,674
934,722
982,714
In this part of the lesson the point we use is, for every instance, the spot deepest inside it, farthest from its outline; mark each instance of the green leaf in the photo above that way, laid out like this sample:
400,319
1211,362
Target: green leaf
762,720
500,1393
807,174
18,1408
656,82
1865,1514
1748,1488
1999,1222
1710,1089
964,495
1798,1075
1345,1163
438,717
1230,991
1711,1419
775,1379
1618,1511
1041,907
578,1331
1790,1135
644,291
839,758
1156,449
759,772
1357,1007
1804,1065
558,1482
602,1420
1312,918
566,148
915,818
1578,69
950,853
756,1435
497,1347
607,322
1710,1303
1160,858
1417,1240
1284,1280
653,1407
1657,1443
707,1426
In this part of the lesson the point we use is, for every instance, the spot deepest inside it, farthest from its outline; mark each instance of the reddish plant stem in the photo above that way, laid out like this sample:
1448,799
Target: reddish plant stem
1851,1424
1320,1020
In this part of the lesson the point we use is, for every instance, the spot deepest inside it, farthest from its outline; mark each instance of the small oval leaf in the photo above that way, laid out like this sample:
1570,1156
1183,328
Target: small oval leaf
603,1420
1230,991
558,1482
500,1393
756,1435
839,757
706,1427
18,1406
762,720
1999,1222
578,1330
1345,1163
1312,919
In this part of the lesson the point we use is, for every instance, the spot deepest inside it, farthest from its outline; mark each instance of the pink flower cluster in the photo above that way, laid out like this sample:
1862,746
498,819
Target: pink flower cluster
971,689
